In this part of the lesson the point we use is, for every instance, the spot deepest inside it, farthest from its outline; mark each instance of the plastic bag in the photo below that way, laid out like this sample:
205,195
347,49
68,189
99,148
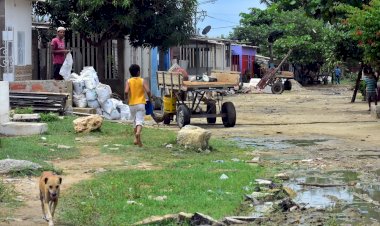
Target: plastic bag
67,67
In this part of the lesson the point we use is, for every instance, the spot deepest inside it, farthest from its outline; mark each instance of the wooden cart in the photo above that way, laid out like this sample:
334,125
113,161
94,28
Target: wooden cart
274,79
195,99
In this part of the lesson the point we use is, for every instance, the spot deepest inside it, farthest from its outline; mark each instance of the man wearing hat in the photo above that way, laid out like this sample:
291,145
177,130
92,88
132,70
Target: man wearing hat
59,52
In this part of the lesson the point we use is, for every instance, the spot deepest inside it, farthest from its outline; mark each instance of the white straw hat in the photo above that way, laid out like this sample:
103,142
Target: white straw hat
61,29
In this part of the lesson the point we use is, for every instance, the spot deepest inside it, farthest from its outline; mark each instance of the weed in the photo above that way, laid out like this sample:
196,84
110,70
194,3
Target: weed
27,110
49,117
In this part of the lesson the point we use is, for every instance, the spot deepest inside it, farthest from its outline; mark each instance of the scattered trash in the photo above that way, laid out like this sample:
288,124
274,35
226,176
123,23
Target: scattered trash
158,198
261,181
223,177
254,160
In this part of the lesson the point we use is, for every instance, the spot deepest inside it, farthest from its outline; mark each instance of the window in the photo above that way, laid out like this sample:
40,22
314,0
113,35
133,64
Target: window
20,48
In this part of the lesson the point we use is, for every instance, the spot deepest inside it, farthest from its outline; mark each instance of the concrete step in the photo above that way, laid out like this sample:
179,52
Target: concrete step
26,118
22,128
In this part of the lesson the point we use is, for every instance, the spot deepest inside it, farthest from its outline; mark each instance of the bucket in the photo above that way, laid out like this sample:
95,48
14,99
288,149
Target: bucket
169,104
148,108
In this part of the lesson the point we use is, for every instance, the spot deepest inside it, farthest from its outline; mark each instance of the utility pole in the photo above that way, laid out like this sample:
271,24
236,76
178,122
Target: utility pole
200,15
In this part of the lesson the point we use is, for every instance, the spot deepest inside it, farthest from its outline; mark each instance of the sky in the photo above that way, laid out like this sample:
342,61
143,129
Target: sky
223,15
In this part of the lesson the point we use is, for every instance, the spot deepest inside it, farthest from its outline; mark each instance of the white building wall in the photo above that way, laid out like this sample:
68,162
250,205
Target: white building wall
18,15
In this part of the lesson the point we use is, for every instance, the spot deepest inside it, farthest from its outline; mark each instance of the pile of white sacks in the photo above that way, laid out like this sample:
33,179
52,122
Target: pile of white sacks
89,92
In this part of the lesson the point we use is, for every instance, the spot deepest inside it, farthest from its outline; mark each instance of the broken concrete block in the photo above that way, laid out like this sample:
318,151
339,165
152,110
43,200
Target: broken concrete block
22,128
193,136
26,118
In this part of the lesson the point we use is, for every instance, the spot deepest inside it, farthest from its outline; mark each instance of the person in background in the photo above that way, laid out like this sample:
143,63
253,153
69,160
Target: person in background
135,89
338,73
59,52
370,87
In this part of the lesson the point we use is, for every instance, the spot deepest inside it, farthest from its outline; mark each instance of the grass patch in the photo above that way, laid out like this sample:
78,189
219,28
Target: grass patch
189,185
27,110
7,200
38,150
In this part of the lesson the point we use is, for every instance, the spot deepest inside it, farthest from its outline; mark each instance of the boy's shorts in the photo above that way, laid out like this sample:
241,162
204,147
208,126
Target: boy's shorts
137,114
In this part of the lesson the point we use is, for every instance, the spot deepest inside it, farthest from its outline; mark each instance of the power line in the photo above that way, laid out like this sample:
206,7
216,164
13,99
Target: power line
222,27
222,20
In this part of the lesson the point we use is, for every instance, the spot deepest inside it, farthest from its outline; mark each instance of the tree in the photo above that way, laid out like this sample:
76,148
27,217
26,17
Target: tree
147,22
365,29
313,43
161,23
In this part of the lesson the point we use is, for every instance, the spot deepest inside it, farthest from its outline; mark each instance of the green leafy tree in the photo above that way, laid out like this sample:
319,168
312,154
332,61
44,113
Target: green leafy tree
161,23
313,43
365,29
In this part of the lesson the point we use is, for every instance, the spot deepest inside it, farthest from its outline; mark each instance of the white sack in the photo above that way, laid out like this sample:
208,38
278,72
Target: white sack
93,104
78,86
125,113
67,67
104,92
90,94
80,100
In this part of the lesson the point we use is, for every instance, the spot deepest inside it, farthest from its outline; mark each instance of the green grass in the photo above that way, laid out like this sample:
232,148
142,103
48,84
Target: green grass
7,200
190,186
189,179
35,149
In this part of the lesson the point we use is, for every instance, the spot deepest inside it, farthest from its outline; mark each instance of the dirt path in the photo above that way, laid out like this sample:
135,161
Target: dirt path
338,135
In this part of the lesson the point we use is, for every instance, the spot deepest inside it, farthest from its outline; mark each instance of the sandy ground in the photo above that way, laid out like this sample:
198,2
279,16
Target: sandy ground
344,136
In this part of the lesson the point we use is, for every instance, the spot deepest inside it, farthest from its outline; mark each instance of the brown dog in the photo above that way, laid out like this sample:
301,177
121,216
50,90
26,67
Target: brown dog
49,193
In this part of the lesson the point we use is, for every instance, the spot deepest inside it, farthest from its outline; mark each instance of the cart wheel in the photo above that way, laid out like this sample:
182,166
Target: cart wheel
167,119
229,120
277,88
287,85
183,116
211,109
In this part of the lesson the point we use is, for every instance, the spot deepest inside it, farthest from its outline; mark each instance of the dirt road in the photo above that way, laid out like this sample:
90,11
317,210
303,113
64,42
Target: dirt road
313,134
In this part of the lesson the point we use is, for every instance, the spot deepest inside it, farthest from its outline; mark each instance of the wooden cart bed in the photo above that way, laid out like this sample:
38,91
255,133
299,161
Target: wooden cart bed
174,80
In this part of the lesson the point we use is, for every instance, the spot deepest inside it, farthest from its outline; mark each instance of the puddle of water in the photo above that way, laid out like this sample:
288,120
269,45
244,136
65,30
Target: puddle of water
318,197
338,199
304,143
262,143
275,144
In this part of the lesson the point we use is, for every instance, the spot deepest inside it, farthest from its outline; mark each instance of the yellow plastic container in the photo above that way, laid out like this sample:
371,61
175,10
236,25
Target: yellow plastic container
169,104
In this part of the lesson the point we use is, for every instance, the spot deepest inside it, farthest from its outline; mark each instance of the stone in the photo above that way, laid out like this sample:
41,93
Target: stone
88,123
375,111
193,136
12,165
282,176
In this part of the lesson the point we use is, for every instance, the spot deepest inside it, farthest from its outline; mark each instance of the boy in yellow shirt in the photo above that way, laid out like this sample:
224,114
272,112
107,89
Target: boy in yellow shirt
135,89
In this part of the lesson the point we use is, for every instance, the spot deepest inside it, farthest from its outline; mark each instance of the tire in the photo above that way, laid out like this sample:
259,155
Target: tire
277,88
229,120
287,85
211,109
183,116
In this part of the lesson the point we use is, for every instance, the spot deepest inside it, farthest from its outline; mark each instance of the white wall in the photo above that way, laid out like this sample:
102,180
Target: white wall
140,56
18,14
4,102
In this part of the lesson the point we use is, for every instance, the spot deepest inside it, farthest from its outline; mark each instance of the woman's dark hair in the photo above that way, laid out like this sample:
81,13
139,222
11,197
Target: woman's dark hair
134,69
